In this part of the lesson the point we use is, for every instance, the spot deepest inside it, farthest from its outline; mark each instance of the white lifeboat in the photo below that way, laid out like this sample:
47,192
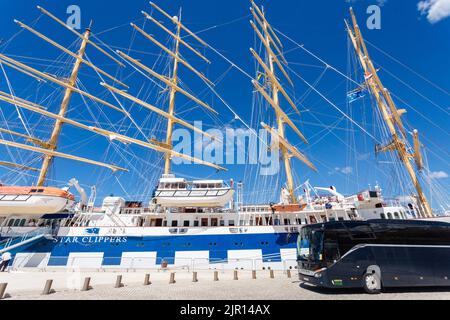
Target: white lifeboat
33,200
177,193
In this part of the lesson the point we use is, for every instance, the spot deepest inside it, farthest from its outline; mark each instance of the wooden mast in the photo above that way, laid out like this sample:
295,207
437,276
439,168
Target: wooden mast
63,109
173,91
275,89
391,114
280,127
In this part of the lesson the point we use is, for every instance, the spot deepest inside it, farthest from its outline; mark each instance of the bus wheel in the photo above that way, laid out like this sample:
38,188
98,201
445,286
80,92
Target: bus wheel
371,283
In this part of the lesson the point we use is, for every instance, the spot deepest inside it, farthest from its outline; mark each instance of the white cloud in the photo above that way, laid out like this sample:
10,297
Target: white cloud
438,175
343,170
435,10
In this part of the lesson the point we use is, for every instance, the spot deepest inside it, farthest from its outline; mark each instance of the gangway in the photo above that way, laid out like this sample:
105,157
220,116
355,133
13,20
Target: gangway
14,242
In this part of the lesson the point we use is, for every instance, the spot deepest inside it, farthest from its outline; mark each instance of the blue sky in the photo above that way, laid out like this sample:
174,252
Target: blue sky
415,34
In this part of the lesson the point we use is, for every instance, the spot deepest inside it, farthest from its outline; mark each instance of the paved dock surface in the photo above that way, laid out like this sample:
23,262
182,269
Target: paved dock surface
67,285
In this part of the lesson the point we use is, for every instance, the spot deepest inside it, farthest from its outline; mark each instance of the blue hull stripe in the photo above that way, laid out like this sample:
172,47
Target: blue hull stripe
165,246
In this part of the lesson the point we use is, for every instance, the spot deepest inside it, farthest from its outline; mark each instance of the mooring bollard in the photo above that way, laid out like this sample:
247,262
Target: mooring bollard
2,290
216,275
253,274
271,274
194,276
119,283
86,285
147,280
172,277
48,287
288,273
235,275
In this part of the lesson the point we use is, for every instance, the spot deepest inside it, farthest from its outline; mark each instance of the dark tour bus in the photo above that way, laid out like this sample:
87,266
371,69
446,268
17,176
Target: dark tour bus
374,254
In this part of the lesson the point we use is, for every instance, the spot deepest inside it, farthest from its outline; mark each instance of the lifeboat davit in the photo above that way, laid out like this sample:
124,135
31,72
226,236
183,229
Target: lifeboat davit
33,200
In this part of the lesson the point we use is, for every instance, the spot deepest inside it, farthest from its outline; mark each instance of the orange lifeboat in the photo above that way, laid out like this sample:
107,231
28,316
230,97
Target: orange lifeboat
289,208
33,200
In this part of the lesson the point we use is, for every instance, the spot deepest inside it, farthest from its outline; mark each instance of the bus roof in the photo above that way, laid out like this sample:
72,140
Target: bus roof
380,222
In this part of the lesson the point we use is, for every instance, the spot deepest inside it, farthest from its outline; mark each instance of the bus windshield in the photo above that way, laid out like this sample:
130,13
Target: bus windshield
310,244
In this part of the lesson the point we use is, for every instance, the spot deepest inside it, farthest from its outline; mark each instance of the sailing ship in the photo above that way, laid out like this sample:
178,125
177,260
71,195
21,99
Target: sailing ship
194,224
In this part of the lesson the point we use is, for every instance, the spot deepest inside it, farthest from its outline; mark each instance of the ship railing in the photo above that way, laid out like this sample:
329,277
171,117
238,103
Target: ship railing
148,263
20,239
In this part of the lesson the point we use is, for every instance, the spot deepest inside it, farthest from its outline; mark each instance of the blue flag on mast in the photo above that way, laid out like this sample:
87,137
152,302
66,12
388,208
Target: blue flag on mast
355,95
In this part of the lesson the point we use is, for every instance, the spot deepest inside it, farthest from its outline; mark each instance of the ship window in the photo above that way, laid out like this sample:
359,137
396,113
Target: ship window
382,216
231,223
186,223
373,194
396,215
174,223
213,222
40,190
33,190
222,223
22,198
286,221
195,223
277,222
22,222
340,218
165,223
332,219
10,222
389,215
204,222
16,222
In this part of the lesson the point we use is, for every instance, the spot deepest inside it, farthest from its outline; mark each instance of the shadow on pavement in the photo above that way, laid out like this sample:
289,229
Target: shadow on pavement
338,291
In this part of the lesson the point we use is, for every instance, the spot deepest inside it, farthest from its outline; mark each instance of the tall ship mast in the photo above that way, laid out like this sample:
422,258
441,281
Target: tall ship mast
271,90
391,116
49,148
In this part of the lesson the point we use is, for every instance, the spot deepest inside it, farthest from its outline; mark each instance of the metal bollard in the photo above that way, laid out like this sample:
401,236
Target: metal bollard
119,283
86,285
235,275
289,273
172,278
2,290
48,287
194,276
271,274
253,274
216,275
147,280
